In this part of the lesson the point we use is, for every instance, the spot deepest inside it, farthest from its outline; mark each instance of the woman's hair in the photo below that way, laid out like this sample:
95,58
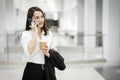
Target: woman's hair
30,15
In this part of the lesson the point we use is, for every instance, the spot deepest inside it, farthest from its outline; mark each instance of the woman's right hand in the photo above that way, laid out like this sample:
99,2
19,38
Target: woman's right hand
34,27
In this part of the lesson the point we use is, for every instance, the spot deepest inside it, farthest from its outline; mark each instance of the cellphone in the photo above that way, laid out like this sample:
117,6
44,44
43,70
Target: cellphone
30,21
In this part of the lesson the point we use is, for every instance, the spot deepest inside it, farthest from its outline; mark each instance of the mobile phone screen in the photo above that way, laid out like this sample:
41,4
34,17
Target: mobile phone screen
30,21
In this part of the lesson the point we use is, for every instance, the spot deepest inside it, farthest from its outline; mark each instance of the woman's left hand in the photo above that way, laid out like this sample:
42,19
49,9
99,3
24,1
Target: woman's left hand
45,51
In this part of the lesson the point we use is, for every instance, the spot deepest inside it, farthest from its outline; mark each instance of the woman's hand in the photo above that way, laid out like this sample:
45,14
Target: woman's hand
45,51
34,27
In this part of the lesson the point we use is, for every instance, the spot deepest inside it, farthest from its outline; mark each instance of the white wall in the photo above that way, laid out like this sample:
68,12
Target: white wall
90,23
2,16
45,5
2,26
111,27
68,18
114,30
10,16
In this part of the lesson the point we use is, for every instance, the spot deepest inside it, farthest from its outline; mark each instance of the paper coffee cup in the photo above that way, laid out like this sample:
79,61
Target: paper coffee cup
42,44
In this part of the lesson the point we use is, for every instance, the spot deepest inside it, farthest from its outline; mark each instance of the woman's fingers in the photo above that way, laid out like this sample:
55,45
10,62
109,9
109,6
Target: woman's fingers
44,49
34,27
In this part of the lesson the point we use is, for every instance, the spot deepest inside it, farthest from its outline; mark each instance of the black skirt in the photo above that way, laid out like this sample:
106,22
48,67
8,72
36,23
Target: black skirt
34,71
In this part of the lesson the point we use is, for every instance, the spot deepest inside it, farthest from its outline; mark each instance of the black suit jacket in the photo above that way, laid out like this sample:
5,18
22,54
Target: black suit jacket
55,60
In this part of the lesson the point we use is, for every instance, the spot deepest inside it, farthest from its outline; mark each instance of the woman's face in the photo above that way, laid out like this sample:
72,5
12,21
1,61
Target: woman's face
38,18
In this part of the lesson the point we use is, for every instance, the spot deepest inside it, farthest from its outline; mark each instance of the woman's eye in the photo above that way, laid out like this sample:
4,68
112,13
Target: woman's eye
39,17
36,17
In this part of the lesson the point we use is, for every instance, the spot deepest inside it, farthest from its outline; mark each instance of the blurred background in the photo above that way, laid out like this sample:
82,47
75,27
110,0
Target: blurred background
87,33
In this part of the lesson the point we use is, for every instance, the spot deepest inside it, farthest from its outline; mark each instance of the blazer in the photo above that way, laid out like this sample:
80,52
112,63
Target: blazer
55,60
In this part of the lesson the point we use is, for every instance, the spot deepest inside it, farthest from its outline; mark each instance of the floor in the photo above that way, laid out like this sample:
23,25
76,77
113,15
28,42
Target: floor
79,74
74,71
110,73
13,71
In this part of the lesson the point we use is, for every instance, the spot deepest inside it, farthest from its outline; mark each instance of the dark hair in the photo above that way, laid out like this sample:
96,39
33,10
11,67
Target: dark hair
30,15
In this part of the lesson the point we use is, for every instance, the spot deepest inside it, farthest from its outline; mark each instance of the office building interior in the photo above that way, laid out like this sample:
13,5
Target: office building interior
87,34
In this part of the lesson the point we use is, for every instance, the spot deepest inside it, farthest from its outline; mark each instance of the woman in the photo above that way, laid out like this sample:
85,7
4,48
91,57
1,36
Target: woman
36,31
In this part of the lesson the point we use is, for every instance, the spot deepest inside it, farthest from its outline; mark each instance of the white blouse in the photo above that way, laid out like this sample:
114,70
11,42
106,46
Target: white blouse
37,56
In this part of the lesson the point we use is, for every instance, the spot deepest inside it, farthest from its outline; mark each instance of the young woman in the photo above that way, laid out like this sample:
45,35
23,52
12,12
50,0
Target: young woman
36,31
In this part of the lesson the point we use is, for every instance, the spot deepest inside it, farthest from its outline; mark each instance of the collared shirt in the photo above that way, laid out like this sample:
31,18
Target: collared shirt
37,56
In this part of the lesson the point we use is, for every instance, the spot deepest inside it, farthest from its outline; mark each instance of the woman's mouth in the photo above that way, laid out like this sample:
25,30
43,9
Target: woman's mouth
40,24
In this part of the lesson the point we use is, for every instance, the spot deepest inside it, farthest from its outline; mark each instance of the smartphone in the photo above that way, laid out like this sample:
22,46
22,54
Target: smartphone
30,21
